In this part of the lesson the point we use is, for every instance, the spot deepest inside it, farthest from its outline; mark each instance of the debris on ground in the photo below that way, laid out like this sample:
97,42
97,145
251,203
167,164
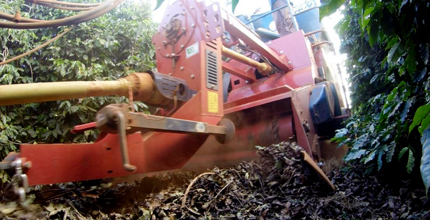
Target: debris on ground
278,186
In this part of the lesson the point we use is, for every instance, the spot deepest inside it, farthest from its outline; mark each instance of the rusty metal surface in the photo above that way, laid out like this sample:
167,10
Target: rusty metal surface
305,131
314,166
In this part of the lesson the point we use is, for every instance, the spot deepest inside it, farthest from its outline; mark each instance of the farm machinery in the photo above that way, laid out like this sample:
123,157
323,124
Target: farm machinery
220,91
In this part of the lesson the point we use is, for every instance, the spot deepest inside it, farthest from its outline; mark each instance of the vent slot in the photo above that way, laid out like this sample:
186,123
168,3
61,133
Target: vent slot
211,69
212,44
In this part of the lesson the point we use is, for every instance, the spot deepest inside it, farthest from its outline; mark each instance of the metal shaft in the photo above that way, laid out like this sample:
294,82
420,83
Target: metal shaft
141,84
263,68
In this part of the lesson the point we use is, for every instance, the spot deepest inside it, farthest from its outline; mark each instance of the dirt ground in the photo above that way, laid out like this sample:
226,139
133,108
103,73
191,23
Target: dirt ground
278,186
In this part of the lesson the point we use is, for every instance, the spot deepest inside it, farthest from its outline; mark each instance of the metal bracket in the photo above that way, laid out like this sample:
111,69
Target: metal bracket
118,119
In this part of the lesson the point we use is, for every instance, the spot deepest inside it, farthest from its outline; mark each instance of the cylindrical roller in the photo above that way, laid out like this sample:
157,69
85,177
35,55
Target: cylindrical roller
263,68
142,85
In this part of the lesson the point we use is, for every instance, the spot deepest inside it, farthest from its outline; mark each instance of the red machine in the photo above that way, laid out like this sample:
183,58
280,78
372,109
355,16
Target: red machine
271,96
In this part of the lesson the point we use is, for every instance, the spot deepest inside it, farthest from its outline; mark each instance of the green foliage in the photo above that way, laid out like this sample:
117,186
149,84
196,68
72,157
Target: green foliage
328,7
387,44
107,48
425,159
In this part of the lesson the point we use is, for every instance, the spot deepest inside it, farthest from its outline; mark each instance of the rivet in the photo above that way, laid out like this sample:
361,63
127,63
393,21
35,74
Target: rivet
170,74
192,76
281,51
246,81
289,62
181,68
182,46
193,25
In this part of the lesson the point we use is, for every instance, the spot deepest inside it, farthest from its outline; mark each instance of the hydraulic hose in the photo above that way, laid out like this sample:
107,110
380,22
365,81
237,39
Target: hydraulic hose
13,18
62,3
82,17
55,6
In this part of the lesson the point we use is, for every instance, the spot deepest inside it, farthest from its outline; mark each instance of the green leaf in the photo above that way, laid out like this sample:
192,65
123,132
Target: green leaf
370,157
420,114
424,124
405,111
360,142
393,54
379,159
425,159
390,151
234,4
159,3
355,155
402,152
411,162
74,108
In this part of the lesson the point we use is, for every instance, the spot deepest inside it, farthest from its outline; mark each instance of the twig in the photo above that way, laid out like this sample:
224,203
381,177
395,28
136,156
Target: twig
80,216
184,200
66,213
37,48
222,190
193,211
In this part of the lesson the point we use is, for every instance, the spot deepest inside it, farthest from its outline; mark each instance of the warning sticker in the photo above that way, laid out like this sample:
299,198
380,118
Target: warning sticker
212,102
192,50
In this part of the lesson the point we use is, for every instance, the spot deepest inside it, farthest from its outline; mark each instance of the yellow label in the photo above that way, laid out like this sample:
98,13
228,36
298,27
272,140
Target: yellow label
212,102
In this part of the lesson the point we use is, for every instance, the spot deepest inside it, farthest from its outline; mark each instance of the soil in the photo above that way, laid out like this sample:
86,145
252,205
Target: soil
278,186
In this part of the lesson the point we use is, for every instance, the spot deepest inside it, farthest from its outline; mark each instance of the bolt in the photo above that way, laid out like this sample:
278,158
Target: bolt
173,54
183,29
192,76
182,46
170,74
193,25
200,127
164,42
281,51
256,58
181,68
167,55
159,48
246,81
289,62
192,8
